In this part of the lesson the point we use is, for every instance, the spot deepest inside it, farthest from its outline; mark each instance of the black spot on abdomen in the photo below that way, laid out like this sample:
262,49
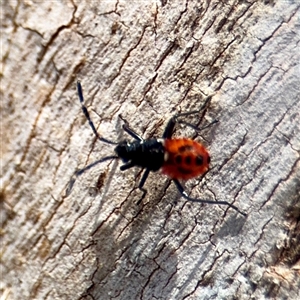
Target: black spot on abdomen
188,160
178,159
185,148
199,160
184,171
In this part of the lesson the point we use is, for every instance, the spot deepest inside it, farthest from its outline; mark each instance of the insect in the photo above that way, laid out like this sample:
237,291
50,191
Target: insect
178,158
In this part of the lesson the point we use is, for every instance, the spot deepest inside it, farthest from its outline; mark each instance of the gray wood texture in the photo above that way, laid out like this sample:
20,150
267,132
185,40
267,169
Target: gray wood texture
148,60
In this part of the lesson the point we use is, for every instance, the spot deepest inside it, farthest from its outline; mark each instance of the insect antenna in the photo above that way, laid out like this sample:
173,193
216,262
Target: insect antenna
87,115
81,171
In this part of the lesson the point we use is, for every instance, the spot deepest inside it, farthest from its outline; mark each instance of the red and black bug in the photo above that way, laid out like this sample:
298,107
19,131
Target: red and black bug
178,158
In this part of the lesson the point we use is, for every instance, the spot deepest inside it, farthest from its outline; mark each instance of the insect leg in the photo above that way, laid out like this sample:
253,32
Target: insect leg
195,127
141,184
184,194
175,119
87,115
129,130
172,122
169,128
207,99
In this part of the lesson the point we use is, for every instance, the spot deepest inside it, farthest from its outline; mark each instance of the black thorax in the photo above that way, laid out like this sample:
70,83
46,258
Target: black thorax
147,154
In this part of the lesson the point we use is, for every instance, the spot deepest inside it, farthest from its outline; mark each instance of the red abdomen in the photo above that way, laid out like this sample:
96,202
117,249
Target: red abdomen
184,159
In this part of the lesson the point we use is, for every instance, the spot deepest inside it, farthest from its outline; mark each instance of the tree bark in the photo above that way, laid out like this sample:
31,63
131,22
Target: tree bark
147,61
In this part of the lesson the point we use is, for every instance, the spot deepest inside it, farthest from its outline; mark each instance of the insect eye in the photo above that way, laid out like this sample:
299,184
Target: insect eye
199,160
178,159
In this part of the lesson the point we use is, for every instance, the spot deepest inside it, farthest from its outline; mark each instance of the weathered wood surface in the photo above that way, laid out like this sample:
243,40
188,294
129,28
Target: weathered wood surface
147,60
